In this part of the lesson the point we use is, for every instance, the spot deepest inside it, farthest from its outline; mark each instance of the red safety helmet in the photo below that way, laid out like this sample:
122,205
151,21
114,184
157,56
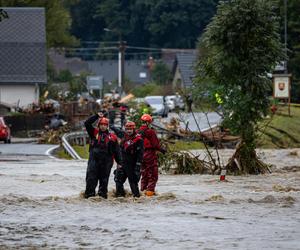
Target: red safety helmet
146,118
103,121
130,125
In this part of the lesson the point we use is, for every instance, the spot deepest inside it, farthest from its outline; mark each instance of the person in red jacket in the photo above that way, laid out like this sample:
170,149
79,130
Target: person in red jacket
149,169
104,148
132,148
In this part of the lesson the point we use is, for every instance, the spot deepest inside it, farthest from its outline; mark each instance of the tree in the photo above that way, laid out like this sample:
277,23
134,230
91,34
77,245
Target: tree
161,73
293,43
158,23
239,47
177,23
86,24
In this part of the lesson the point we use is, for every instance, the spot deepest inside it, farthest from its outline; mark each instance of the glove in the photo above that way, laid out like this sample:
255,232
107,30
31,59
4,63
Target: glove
137,171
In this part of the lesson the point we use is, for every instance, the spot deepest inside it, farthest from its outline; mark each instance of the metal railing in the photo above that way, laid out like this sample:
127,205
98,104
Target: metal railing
77,138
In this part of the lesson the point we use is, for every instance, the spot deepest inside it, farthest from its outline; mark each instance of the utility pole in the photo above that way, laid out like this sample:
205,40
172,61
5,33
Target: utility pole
121,60
121,81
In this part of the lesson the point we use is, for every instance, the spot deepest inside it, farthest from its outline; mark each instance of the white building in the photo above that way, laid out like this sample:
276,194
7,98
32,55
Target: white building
23,64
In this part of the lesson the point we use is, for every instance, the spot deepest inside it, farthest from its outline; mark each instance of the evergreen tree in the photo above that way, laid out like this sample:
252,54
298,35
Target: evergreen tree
239,47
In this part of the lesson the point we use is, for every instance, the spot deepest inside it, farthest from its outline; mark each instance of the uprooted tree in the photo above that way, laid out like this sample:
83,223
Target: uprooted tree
240,46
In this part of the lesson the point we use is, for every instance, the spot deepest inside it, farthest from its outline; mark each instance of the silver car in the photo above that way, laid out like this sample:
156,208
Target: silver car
158,104
178,101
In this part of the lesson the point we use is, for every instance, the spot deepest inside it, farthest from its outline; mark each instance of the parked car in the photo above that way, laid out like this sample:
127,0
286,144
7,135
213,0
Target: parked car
4,131
158,104
178,101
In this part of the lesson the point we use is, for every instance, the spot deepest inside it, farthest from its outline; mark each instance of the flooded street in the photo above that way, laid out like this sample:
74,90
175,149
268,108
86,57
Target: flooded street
41,206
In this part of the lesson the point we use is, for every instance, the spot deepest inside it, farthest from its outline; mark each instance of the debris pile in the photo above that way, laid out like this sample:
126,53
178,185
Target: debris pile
53,136
182,162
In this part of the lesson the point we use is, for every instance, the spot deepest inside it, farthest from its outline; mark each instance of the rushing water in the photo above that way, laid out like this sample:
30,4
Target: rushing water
41,206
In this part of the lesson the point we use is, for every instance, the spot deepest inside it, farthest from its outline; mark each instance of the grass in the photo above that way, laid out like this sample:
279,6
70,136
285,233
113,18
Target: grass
81,151
282,131
186,145
60,153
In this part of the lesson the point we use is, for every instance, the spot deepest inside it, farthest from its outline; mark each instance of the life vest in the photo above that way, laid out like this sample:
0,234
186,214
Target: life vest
128,143
102,140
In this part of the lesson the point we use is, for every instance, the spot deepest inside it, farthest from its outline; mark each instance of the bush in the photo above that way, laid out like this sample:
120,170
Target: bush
147,89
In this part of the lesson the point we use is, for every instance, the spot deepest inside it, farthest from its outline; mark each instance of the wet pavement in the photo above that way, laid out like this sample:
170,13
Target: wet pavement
26,149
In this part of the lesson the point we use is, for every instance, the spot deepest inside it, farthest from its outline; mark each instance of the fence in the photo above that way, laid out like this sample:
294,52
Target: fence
26,123
74,138
76,112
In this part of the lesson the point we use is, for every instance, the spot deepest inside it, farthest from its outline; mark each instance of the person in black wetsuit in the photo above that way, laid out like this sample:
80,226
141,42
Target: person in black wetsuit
104,148
132,148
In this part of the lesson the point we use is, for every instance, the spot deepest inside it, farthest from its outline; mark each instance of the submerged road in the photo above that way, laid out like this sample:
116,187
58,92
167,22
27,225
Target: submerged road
41,207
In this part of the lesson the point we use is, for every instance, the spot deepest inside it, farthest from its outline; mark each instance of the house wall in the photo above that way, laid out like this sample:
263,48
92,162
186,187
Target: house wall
24,94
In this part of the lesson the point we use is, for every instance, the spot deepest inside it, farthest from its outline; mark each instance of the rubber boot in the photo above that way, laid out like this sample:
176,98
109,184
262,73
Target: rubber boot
149,193
88,195
102,195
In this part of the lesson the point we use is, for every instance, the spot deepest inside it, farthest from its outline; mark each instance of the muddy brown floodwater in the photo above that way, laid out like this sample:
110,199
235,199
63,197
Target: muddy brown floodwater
41,207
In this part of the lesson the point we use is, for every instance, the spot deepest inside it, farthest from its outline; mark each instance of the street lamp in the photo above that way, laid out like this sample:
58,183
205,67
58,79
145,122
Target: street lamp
121,68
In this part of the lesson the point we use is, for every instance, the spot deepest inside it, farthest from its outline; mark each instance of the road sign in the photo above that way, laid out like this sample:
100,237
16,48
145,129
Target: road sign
282,88
94,82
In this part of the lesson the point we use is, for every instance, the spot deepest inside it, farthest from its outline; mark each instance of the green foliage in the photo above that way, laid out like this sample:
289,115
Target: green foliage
186,145
177,23
115,13
86,25
137,111
165,23
161,73
293,32
147,89
77,85
64,76
240,46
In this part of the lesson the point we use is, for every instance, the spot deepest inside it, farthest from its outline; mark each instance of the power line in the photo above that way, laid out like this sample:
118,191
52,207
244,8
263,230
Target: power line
97,42
89,49
142,48
104,48
129,53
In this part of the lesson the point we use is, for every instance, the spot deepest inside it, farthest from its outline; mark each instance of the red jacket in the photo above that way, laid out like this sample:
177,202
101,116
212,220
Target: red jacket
150,138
